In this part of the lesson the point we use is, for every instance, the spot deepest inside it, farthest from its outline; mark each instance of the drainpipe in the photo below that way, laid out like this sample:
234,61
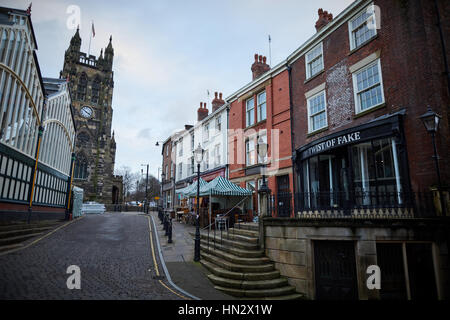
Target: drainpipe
291,111
444,55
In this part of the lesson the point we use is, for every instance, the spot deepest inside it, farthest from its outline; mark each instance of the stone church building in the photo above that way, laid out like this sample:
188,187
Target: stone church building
91,83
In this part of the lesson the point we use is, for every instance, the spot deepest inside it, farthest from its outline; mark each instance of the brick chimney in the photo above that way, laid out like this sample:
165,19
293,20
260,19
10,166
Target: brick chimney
202,112
324,19
217,102
259,66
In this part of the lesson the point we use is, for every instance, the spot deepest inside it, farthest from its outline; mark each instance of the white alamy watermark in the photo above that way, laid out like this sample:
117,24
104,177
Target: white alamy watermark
375,22
374,279
74,19
74,280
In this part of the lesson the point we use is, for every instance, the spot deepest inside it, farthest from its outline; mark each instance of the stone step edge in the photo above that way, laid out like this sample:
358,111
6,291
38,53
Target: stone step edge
233,266
219,271
17,239
240,244
248,284
281,291
10,247
234,258
26,231
255,253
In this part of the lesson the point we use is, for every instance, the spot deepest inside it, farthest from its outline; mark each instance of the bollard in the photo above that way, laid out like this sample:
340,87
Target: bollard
166,224
170,231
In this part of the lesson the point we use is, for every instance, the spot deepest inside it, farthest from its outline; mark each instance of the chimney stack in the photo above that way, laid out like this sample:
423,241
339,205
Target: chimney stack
217,102
324,19
202,112
259,66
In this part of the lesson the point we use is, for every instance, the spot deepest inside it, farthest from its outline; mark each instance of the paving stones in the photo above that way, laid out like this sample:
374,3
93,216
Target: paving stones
112,251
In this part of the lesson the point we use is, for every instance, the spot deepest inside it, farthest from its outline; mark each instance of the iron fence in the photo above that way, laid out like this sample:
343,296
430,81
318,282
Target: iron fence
355,204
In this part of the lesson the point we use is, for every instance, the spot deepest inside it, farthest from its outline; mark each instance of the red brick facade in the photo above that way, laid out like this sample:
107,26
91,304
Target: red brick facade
412,68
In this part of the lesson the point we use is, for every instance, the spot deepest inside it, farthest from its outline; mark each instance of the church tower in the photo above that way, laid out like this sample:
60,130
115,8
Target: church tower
91,83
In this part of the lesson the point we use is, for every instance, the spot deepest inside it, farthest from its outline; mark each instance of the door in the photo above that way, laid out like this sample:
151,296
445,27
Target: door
283,196
390,261
335,270
422,281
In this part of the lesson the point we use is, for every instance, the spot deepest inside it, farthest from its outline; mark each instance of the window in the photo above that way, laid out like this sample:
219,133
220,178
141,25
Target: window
172,170
314,61
192,166
192,141
95,90
250,114
206,159
261,106
82,84
206,132
218,124
180,147
250,152
81,167
180,170
367,85
167,150
217,155
166,172
317,112
362,27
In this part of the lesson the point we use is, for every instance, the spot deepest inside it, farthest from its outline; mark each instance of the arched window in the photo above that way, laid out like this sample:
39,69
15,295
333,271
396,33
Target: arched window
81,166
95,90
82,84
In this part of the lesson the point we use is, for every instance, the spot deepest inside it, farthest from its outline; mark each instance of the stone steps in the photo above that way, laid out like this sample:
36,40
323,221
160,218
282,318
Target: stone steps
236,267
240,268
21,232
255,276
233,243
236,251
10,247
21,226
17,239
233,258
258,293
248,285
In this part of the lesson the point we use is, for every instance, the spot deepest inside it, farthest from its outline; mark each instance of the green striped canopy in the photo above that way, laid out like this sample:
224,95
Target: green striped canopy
191,188
221,187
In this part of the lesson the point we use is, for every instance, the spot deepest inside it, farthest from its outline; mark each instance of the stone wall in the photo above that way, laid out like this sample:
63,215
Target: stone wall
289,243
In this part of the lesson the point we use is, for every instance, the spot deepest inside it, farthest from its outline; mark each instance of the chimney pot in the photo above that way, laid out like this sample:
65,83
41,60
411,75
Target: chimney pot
220,96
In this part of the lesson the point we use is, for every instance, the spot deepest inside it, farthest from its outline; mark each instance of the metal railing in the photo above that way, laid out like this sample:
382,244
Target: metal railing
360,204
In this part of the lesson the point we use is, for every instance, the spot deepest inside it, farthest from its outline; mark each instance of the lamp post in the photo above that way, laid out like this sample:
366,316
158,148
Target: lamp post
262,152
431,121
146,186
198,155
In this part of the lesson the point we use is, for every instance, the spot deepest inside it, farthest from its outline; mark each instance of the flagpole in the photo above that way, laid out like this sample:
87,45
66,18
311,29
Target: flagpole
90,38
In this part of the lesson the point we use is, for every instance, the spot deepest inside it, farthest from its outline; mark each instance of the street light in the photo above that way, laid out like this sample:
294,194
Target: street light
262,152
146,185
198,155
431,121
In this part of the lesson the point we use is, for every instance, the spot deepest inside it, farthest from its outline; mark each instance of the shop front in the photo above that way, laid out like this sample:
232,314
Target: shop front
361,167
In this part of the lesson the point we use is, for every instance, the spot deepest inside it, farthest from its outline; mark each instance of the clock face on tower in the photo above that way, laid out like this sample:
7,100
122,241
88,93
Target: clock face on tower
86,112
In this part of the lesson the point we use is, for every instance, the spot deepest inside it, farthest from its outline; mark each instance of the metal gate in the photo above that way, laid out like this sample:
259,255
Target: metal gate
335,270
390,261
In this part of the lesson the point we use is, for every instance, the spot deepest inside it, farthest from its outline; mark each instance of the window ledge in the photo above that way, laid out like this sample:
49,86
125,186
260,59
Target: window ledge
310,134
314,76
363,44
256,124
374,108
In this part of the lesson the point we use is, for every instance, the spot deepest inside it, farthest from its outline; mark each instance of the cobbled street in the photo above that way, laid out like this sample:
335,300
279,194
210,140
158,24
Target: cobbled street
113,252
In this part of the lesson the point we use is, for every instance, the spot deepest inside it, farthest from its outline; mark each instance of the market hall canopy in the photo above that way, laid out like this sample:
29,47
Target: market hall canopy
221,187
191,188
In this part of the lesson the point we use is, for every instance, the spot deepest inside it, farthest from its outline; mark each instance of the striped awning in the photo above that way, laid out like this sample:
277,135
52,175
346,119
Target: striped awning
221,187
191,188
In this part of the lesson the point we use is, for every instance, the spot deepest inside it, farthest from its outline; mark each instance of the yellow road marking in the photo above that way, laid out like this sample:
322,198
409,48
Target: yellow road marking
43,237
156,265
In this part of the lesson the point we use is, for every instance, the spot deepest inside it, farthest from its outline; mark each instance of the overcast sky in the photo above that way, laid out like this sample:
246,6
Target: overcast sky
168,53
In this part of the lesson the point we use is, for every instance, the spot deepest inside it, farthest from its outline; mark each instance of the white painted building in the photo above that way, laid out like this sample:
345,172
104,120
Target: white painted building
210,132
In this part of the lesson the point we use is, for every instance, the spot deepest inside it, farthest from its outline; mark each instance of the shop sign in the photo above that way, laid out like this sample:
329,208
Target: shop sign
332,143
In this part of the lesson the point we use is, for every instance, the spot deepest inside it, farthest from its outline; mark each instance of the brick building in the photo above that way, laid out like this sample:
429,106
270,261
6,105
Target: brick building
363,161
259,112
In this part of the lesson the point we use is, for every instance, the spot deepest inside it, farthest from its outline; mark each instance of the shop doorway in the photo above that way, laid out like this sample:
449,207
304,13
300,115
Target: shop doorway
283,196
335,270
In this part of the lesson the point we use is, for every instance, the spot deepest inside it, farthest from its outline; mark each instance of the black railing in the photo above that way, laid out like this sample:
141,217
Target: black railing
355,205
